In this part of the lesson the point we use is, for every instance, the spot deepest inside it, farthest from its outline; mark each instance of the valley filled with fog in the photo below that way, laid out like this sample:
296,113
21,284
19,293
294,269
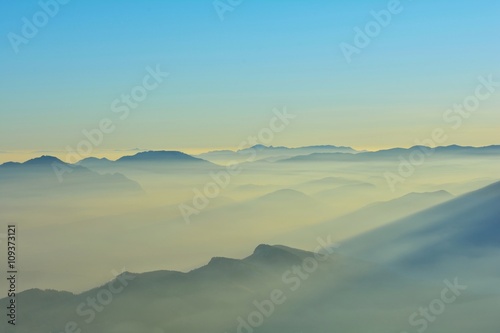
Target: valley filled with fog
393,225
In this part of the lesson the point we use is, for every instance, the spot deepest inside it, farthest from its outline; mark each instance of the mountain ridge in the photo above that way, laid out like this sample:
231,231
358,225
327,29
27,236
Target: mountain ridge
261,252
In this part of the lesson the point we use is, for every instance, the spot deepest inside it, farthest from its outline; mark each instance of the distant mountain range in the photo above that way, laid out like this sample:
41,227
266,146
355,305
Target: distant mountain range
160,157
394,153
103,172
271,153
48,175
281,154
155,160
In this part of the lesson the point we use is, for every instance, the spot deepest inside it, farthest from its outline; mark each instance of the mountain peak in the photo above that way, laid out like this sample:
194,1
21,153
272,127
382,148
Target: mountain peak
43,160
260,146
277,254
158,156
263,248
103,159
218,261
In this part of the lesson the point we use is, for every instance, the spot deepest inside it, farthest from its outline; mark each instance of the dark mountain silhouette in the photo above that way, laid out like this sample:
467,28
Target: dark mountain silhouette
150,161
185,295
47,175
222,296
160,157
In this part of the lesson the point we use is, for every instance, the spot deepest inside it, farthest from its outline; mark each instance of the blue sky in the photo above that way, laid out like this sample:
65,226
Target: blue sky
227,76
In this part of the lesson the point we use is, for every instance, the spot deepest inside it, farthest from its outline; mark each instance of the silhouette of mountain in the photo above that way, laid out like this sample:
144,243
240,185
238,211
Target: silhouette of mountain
47,175
262,153
150,161
212,285
394,153
290,290
461,227
160,157
44,160
94,162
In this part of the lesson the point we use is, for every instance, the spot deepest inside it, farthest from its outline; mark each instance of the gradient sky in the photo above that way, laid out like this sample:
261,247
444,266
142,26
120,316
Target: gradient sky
227,76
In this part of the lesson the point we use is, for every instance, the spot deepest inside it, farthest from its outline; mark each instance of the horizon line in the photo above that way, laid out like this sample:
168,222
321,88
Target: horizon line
204,151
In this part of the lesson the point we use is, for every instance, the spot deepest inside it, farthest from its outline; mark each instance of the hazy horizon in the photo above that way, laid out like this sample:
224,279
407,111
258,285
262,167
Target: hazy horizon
260,166
113,155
